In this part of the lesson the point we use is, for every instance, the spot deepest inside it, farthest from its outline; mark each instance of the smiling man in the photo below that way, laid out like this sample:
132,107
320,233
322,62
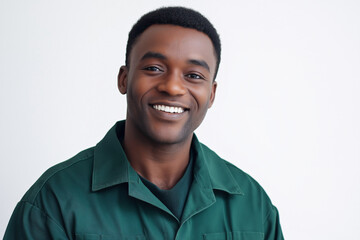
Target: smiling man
150,178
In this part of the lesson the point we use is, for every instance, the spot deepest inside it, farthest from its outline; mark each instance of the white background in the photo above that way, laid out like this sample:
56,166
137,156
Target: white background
287,109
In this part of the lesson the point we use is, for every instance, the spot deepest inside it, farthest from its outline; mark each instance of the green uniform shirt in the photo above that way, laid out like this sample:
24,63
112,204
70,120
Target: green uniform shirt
174,198
97,195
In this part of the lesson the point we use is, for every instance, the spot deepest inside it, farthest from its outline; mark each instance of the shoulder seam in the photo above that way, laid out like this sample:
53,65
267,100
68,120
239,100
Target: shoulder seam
47,216
268,214
32,199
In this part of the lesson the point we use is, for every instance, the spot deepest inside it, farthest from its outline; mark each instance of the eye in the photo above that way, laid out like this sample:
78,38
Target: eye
194,76
153,69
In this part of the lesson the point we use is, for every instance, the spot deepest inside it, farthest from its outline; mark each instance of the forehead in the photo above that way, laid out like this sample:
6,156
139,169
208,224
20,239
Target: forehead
174,42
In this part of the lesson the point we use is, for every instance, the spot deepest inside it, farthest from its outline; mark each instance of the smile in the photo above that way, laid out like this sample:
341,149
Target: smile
168,109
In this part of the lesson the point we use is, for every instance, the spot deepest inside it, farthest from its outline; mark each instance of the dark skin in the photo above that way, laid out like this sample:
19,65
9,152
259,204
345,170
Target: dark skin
169,87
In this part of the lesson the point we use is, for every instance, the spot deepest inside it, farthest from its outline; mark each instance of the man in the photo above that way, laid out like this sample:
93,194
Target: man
150,178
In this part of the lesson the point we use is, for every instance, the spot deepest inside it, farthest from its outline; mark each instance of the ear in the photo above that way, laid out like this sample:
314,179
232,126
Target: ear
212,94
122,79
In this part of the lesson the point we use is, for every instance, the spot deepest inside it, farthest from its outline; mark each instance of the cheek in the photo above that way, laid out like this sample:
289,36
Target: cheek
137,88
201,96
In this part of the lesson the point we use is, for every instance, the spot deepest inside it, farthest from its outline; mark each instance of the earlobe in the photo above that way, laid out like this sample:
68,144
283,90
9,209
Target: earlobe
122,79
212,94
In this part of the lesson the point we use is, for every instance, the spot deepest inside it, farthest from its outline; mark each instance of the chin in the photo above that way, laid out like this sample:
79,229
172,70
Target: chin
167,137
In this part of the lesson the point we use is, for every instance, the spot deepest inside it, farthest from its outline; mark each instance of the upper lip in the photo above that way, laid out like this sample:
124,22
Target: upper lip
170,104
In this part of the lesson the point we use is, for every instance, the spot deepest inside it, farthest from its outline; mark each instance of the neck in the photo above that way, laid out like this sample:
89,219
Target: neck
161,163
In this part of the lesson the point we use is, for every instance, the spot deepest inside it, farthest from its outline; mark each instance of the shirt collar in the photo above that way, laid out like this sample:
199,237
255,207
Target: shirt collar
212,171
111,166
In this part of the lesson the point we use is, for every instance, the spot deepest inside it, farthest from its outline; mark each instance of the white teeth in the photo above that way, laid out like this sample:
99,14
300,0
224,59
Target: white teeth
168,109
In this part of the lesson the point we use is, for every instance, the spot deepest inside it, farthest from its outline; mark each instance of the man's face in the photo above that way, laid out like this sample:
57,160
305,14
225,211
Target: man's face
169,82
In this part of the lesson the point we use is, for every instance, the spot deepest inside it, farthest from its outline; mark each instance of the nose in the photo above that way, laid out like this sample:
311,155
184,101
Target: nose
172,84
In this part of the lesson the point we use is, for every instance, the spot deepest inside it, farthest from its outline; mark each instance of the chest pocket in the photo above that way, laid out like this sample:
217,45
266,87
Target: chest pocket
107,237
234,236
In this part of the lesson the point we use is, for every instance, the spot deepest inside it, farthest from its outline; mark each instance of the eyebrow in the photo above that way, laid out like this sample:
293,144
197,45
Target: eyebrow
200,63
153,55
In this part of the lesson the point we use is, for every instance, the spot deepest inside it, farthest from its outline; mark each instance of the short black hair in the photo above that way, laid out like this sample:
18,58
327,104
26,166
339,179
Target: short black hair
179,16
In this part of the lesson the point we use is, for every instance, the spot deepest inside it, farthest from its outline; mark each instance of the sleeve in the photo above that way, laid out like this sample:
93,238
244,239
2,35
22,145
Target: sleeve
29,222
272,225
